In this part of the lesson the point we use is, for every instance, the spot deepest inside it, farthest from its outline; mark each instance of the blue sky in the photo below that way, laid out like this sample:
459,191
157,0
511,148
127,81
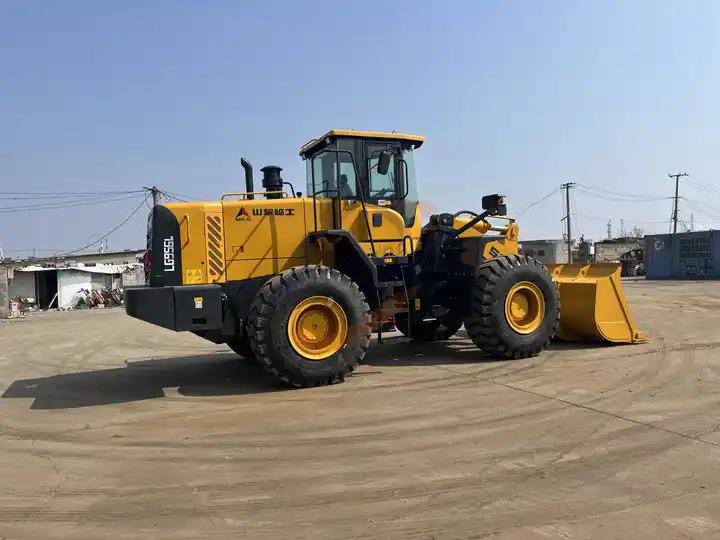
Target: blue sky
513,96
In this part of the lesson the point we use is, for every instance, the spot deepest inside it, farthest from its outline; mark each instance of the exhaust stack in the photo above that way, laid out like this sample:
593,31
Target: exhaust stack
249,187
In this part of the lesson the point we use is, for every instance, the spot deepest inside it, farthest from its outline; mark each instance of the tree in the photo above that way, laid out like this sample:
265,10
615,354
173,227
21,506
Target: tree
636,232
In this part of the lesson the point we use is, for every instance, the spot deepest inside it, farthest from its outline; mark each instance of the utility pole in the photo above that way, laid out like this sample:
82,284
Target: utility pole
675,206
567,186
609,229
155,194
692,223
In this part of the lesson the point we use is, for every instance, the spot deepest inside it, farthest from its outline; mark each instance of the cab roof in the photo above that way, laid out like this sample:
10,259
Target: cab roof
416,140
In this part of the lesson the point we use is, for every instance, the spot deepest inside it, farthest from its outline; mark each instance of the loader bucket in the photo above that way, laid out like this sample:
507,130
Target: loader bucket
593,304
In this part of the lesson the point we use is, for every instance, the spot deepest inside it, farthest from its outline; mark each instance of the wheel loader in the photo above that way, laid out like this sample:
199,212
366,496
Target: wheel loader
300,282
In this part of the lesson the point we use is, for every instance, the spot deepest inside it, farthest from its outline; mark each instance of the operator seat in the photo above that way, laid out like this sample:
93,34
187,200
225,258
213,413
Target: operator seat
346,192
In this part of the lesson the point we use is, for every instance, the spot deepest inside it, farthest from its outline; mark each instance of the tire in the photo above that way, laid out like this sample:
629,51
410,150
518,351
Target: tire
241,346
274,318
426,331
491,325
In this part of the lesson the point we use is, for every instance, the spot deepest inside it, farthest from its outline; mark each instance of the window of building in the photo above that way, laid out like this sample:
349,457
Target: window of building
697,247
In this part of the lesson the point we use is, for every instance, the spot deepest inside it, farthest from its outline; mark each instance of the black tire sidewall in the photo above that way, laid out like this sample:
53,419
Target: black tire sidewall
317,282
504,283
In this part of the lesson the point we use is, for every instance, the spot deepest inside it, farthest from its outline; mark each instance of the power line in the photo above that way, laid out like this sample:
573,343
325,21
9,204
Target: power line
617,196
66,204
702,204
697,207
632,222
707,187
31,196
171,196
576,223
52,193
182,197
529,206
30,249
103,237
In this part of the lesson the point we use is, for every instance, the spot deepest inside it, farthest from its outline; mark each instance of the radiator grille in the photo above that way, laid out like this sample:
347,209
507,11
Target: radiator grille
215,247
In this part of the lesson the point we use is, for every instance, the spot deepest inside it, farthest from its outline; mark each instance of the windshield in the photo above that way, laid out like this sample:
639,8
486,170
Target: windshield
383,186
411,199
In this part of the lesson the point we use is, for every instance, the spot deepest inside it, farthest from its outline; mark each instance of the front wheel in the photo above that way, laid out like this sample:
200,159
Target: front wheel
309,326
515,307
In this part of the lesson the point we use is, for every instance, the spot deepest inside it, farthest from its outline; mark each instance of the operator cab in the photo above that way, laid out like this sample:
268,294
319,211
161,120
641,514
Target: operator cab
376,167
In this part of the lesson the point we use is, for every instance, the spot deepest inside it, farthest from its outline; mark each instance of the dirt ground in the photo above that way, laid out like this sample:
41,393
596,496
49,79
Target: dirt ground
113,428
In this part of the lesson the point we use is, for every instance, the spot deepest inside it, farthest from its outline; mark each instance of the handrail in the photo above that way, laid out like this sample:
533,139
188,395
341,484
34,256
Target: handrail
185,218
246,193
334,200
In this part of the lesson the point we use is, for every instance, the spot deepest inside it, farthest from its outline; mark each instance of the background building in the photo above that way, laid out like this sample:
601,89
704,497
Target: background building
690,255
55,281
610,250
546,251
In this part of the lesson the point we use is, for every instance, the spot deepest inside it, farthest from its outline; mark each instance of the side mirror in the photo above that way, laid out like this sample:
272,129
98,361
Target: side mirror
383,163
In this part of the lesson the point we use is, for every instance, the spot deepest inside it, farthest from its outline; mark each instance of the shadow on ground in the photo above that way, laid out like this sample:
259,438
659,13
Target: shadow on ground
399,351
199,375
222,374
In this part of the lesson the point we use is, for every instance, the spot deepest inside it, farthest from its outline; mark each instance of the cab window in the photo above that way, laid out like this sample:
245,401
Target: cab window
382,186
323,168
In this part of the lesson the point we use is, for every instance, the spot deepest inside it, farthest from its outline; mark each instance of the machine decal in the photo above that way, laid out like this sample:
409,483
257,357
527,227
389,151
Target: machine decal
198,302
193,275
273,211
169,254
242,215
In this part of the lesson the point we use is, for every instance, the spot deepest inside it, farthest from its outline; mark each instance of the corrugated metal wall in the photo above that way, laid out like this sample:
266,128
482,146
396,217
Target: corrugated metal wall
694,255
22,285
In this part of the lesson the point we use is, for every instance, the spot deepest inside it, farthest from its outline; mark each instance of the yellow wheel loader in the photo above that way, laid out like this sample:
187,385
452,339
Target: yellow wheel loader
300,282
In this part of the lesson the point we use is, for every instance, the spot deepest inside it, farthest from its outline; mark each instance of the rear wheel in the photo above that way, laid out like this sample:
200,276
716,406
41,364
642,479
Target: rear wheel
309,326
515,307
428,330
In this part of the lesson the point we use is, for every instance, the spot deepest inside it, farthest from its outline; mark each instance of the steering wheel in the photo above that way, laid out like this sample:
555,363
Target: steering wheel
382,193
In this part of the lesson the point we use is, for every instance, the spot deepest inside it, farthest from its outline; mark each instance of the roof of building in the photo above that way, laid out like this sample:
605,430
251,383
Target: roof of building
73,257
544,241
416,139
91,269
623,240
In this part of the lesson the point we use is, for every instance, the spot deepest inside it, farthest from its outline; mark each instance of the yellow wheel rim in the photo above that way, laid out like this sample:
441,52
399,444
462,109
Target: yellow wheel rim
317,327
524,307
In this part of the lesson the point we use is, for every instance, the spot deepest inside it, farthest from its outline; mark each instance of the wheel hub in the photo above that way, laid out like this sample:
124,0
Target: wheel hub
524,307
317,327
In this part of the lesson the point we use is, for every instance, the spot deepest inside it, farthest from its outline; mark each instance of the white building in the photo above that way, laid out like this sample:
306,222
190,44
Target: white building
55,282
59,287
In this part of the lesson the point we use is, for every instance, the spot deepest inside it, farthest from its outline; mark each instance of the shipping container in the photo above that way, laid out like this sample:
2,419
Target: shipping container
691,255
